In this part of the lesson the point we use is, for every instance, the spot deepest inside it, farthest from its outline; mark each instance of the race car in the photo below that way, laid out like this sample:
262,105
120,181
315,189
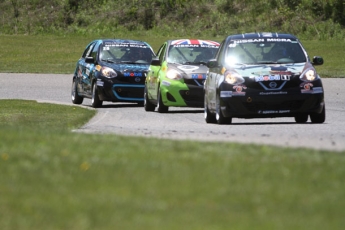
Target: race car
263,75
112,70
176,77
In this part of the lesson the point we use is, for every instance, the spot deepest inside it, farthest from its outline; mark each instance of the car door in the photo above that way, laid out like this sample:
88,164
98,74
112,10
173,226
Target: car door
91,60
213,78
153,79
83,69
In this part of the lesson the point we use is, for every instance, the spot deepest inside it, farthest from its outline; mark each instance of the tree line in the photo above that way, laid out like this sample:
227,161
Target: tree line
309,18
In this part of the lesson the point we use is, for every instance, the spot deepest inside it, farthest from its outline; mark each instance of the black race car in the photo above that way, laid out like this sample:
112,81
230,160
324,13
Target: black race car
112,70
263,75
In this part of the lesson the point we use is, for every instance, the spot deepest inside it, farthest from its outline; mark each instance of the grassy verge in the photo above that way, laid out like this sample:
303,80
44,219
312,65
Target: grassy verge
58,54
52,178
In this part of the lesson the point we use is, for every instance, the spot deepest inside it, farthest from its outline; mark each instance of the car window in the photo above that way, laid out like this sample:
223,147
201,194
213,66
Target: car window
117,52
161,52
88,50
244,52
95,51
189,54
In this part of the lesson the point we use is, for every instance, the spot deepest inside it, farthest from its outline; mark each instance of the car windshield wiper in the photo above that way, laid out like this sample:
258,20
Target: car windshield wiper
108,60
194,63
266,62
129,62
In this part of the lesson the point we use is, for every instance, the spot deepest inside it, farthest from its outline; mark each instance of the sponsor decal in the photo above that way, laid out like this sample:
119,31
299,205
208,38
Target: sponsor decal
239,90
273,111
98,67
199,76
188,67
166,83
317,90
100,83
256,40
225,93
272,93
275,77
124,44
133,74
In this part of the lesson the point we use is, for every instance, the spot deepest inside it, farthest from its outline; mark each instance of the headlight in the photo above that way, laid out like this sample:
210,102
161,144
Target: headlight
233,78
108,72
173,74
309,75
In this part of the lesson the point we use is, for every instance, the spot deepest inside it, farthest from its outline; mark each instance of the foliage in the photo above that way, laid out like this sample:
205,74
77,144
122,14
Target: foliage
315,19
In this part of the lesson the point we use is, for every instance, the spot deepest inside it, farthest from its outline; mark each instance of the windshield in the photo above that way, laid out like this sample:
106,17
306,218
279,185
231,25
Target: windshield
191,53
130,53
264,51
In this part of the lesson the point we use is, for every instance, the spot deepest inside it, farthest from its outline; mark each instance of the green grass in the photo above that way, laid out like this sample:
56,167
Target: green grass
52,178
59,54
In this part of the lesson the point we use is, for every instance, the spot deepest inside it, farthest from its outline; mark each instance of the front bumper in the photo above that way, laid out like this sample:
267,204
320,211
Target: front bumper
116,91
176,93
255,104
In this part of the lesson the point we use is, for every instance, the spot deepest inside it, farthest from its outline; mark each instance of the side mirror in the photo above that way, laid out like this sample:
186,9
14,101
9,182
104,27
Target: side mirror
155,61
317,60
213,63
90,60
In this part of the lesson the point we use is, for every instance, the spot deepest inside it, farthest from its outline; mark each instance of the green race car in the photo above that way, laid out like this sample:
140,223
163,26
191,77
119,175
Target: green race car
176,76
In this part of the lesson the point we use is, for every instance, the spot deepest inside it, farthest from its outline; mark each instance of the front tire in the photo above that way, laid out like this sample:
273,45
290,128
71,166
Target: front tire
95,101
301,118
318,118
219,115
209,117
76,99
160,106
149,107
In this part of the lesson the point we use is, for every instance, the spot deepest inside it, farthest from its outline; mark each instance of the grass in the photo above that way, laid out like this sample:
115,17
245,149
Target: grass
52,178
59,54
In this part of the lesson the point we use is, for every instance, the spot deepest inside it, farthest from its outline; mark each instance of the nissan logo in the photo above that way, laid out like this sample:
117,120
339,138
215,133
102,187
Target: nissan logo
137,79
273,84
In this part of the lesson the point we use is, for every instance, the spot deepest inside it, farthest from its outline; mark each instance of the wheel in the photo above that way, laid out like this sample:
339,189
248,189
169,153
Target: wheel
219,115
76,99
160,106
95,101
149,107
209,117
301,118
318,117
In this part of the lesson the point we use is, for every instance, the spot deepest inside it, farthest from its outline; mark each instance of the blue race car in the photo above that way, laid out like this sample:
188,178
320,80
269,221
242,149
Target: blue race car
112,70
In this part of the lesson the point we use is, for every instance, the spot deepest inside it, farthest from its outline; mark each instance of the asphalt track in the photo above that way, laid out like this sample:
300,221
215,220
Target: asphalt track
188,123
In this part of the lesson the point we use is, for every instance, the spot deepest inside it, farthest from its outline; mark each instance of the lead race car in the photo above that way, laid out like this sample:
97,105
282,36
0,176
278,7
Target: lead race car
263,75
176,77
112,70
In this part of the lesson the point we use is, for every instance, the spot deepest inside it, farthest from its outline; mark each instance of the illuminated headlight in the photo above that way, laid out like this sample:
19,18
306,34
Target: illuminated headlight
108,72
309,75
233,78
173,74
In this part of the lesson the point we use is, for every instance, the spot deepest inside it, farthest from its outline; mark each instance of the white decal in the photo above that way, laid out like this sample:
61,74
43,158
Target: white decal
166,83
188,67
225,93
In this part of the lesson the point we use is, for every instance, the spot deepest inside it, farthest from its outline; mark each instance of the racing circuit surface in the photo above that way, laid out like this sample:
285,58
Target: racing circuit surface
188,123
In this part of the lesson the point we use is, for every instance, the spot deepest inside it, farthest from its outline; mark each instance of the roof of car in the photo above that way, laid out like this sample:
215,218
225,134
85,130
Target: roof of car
260,35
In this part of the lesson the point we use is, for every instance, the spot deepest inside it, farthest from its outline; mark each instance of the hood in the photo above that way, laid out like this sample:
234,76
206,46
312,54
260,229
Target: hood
125,68
264,70
190,71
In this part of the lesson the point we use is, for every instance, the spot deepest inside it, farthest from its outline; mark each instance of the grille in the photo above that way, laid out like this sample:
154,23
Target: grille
195,82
